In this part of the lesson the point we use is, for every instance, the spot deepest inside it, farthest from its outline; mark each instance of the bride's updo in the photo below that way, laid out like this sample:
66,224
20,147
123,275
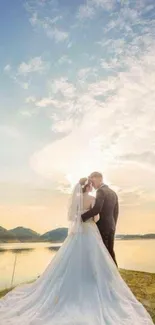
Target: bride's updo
85,184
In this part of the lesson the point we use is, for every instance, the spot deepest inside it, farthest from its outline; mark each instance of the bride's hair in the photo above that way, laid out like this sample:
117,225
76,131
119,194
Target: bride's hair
85,183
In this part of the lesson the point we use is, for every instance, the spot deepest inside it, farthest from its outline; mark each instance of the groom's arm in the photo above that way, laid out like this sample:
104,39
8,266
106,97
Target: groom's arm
96,208
116,211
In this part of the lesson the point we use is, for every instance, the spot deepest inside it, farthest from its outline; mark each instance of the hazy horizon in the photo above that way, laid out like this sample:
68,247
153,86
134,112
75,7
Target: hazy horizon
50,214
119,234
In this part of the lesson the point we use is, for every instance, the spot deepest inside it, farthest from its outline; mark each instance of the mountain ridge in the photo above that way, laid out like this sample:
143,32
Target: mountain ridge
57,235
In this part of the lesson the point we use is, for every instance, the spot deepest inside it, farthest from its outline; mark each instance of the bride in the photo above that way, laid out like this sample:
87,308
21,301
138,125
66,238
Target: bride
81,286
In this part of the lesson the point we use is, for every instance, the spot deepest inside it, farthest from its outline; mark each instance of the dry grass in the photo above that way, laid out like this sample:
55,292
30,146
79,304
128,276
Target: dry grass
143,286
4,292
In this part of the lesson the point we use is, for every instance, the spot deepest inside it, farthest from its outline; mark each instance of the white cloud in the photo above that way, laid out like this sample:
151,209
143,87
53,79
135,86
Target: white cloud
82,74
104,4
7,68
26,113
111,64
64,87
17,77
53,102
30,99
145,157
22,74
62,126
90,8
23,84
57,34
36,64
100,110
34,19
106,131
55,19
87,74
64,59
49,27
69,45
9,131
85,11
46,101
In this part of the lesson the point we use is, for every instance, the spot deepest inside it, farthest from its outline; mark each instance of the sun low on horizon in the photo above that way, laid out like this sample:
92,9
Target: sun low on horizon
77,95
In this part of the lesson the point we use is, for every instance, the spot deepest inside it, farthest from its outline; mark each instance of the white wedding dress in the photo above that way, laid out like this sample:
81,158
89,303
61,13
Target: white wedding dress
81,286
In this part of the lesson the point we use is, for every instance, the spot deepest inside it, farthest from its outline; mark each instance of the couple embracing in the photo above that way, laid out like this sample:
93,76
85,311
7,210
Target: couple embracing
106,206
82,284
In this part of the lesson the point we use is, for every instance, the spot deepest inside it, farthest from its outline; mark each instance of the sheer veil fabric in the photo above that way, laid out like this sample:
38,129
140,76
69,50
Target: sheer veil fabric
75,210
81,285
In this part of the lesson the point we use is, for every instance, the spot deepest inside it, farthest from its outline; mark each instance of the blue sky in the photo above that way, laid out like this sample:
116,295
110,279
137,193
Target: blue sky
76,95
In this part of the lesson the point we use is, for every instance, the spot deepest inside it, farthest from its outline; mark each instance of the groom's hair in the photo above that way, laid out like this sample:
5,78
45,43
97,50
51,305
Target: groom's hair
96,174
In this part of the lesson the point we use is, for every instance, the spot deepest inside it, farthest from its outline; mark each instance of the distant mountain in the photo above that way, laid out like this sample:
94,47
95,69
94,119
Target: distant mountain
151,236
25,234
21,234
56,235
129,237
7,236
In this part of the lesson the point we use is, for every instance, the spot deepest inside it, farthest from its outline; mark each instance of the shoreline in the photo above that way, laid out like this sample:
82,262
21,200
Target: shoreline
142,284
59,242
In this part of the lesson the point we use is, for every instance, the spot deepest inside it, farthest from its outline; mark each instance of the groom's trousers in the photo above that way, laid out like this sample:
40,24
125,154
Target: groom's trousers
108,240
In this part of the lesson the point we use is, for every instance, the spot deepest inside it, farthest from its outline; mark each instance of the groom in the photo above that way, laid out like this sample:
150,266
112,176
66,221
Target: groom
108,208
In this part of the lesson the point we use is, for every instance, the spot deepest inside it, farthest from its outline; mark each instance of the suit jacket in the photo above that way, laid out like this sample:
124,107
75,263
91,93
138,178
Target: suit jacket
107,207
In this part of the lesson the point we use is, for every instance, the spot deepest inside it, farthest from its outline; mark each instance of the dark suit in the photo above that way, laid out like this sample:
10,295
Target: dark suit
107,207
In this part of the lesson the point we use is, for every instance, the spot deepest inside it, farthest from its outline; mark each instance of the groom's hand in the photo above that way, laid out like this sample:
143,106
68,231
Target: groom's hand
97,207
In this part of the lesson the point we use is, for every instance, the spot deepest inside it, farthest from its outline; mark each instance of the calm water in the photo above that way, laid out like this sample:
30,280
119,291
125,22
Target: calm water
30,263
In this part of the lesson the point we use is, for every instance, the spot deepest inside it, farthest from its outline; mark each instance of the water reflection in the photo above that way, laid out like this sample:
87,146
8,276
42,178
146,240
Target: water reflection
19,251
2,251
53,248
31,260
16,250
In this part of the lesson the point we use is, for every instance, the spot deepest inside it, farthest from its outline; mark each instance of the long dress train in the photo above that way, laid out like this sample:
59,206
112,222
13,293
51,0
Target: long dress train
81,286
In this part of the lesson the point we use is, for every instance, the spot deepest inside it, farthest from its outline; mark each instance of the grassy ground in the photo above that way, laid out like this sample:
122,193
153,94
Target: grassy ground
142,285
4,292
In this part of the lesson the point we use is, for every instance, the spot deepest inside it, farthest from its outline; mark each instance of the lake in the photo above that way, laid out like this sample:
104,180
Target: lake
33,258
